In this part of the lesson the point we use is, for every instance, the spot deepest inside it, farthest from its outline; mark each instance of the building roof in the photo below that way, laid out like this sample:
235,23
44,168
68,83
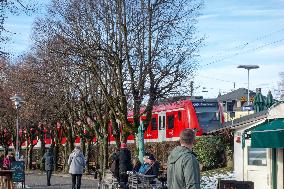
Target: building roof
236,95
243,121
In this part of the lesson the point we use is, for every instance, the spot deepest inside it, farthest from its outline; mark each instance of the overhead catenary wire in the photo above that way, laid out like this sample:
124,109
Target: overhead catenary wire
241,48
243,52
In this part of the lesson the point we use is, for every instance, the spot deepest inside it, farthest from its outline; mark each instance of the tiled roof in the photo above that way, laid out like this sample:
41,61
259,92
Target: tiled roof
243,120
236,95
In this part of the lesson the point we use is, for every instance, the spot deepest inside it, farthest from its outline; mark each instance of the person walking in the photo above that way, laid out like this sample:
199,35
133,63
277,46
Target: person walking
77,165
183,168
48,160
114,168
124,164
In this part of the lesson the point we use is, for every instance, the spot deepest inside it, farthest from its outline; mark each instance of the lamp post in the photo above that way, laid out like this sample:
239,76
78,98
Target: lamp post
18,102
141,142
248,68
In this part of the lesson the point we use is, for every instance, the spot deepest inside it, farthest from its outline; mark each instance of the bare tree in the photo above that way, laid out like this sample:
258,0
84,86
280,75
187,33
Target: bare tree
146,48
280,93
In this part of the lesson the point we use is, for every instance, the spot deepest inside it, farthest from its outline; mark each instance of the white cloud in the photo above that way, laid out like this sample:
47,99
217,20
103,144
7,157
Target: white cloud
257,12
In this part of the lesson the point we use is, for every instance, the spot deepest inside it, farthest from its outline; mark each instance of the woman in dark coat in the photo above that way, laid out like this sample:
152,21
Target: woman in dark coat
124,163
48,159
114,168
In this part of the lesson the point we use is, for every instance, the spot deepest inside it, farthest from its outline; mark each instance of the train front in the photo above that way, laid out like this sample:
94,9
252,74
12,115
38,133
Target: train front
209,114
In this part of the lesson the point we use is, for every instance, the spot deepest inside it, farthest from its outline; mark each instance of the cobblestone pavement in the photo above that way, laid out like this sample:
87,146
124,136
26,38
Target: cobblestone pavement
37,180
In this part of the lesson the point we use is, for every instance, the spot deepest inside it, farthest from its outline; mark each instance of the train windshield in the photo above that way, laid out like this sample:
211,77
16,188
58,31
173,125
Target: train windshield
208,115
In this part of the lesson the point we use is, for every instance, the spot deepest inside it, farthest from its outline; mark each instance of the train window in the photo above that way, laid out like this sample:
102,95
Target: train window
154,124
170,121
179,115
160,122
164,122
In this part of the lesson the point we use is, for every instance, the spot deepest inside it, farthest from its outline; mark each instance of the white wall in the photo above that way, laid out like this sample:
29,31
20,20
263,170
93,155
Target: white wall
238,156
239,153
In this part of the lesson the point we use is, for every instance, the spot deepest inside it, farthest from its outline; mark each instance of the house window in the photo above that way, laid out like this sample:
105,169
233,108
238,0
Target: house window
239,104
170,122
257,156
154,124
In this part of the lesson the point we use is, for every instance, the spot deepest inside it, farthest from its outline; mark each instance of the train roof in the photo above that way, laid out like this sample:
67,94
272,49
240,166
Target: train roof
177,103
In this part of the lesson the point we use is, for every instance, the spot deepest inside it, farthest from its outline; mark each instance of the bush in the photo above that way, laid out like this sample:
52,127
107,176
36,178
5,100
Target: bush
210,151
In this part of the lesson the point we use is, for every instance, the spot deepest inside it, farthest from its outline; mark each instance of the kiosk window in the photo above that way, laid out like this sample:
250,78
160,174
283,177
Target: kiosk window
170,122
257,156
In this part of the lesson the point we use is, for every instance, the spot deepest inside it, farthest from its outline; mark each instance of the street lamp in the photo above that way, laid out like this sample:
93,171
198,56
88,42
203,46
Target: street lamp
18,102
248,68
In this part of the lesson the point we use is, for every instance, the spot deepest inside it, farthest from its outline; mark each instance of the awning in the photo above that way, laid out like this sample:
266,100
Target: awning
269,134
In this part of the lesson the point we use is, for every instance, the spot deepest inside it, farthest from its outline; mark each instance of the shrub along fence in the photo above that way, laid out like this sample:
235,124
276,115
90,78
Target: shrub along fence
211,151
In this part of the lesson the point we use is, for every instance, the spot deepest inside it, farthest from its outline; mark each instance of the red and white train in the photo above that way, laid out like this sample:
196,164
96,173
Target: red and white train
171,117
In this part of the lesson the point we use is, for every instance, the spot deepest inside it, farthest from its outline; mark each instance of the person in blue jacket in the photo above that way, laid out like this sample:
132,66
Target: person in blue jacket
145,166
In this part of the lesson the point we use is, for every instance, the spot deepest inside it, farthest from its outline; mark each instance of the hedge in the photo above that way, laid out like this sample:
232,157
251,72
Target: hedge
210,151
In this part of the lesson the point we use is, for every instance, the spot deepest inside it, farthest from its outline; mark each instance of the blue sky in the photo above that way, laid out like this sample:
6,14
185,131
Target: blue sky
236,32
241,32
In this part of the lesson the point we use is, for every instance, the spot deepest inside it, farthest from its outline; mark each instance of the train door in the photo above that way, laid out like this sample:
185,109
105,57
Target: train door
162,126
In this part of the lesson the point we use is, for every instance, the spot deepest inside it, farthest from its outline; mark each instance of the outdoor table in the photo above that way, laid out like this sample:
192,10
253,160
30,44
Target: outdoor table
8,175
147,179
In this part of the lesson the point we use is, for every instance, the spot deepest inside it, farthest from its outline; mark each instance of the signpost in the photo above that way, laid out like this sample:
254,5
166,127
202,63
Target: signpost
233,184
18,168
247,108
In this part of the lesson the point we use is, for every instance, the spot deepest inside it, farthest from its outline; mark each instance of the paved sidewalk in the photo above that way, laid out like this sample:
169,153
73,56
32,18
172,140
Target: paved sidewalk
37,180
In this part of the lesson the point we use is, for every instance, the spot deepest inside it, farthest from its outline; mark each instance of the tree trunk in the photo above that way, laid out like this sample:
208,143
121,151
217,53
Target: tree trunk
65,158
6,149
30,156
42,151
56,154
88,155
83,145
105,155
27,158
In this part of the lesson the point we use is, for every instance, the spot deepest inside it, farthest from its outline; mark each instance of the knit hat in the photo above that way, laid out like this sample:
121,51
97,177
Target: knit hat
123,145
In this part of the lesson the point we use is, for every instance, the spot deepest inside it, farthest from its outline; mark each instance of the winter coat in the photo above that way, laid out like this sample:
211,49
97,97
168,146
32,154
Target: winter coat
153,169
114,168
183,169
124,160
144,167
48,160
76,162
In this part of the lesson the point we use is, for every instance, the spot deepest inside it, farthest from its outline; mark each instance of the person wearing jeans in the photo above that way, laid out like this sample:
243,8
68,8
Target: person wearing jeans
77,163
48,159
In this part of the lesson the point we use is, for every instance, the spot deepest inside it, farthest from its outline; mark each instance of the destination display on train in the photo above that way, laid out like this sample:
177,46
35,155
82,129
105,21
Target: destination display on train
204,104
